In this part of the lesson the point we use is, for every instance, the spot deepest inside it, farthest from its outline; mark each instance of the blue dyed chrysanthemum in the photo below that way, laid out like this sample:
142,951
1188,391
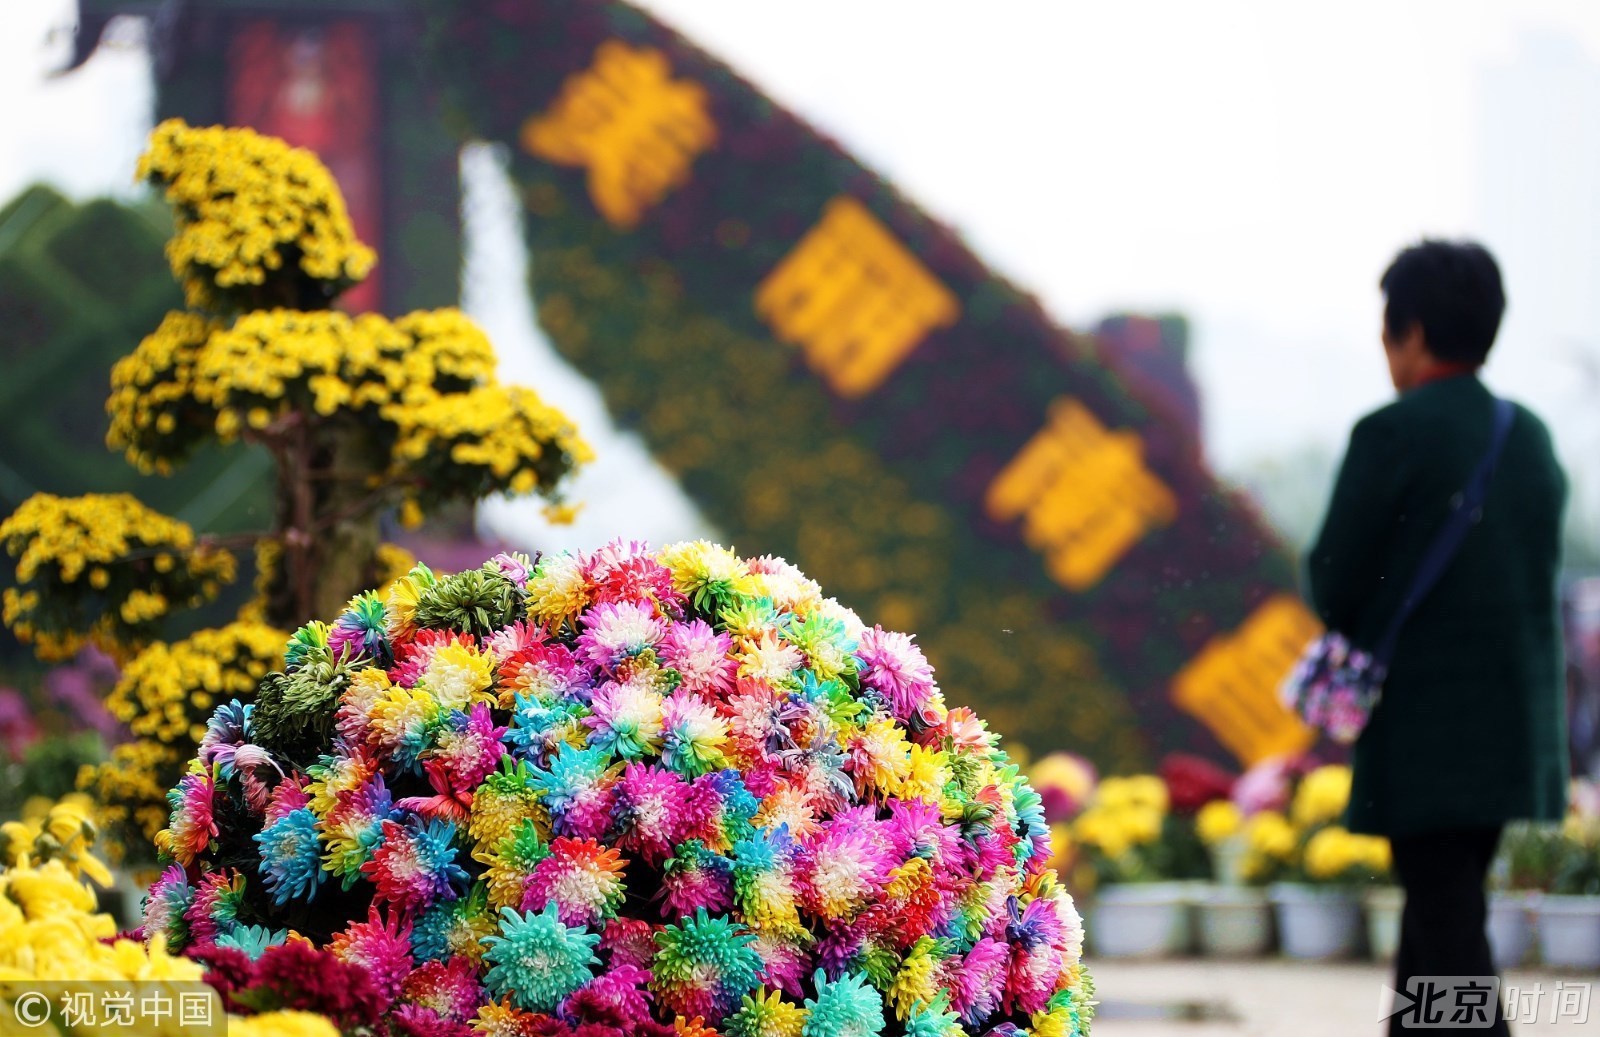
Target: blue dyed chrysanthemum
846,1007
537,961
251,939
571,773
291,856
933,1020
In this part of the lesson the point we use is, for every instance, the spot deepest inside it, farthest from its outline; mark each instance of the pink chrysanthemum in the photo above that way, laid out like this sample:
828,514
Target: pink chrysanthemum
648,812
841,870
581,877
894,667
976,980
613,632
702,657
469,748
627,572
785,956
381,945
620,989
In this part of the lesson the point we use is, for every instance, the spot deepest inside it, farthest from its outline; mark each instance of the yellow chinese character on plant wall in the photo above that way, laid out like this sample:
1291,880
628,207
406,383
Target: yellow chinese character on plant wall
630,123
853,298
1083,494
1232,685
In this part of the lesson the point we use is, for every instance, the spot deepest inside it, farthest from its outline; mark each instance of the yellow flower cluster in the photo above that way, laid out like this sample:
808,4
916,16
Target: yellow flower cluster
155,418
505,433
1307,843
276,360
425,384
1321,796
169,690
1125,814
1218,820
165,695
1335,855
249,208
102,567
51,930
1271,845
131,786
63,831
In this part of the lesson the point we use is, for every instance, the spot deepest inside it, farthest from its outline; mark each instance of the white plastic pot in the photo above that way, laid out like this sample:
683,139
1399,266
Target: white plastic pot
1233,922
1319,923
1569,931
1383,906
1510,927
1144,920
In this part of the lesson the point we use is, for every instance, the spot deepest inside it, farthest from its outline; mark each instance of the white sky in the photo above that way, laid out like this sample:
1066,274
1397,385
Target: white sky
1251,164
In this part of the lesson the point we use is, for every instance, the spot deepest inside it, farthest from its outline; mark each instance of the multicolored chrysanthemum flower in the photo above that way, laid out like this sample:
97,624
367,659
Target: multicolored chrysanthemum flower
581,877
362,631
416,864
704,967
669,794
381,944
193,825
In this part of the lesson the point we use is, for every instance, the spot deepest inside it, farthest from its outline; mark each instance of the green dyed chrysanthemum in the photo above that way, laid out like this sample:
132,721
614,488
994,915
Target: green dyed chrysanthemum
293,717
480,601
537,961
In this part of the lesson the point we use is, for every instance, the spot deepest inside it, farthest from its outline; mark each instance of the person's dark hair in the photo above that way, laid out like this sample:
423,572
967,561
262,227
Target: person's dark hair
1453,290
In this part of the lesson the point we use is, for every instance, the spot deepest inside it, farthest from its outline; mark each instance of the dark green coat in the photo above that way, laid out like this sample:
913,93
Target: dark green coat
1471,727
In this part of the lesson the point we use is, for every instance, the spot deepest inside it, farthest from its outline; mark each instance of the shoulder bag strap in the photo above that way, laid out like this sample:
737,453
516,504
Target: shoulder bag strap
1466,508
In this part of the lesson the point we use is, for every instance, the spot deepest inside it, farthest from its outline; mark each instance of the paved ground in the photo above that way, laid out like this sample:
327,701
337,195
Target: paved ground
1197,998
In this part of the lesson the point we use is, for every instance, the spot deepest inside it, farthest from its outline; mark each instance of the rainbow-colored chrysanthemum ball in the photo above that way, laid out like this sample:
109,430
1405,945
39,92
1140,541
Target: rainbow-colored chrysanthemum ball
628,792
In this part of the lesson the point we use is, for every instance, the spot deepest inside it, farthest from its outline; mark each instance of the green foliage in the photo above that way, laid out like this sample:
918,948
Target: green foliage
49,769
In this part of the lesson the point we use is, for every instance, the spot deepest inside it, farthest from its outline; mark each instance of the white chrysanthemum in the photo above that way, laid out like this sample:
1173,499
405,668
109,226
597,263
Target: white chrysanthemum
770,659
830,608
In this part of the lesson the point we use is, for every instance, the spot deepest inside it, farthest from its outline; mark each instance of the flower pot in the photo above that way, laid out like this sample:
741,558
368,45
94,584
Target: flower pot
1316,922
1233,922
1383,906
1569,931
1145,920
1510,927
1227,860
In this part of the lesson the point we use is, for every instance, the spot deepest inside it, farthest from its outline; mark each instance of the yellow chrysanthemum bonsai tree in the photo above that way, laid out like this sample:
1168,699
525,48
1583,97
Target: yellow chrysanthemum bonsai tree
360,415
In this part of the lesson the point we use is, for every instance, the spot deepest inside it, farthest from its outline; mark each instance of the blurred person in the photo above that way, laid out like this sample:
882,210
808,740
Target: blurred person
1468,734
